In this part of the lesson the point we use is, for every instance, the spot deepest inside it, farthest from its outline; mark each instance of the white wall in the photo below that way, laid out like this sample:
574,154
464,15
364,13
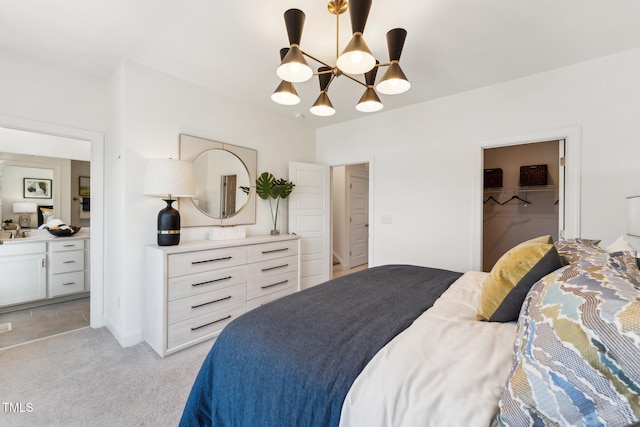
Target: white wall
151,110
424,156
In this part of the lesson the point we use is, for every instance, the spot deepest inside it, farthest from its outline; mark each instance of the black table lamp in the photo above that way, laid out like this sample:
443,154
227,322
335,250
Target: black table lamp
169,179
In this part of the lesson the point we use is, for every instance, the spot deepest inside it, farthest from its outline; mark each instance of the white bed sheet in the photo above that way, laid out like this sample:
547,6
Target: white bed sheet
446,369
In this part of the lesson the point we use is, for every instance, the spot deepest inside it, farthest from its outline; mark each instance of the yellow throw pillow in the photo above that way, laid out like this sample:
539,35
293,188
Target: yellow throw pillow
504,291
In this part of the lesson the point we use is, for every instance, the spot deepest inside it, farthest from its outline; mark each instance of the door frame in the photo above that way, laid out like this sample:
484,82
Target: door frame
573,148
96,139
372,184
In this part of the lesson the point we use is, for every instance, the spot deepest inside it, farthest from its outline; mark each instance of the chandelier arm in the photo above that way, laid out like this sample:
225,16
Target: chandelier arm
316,59
354,79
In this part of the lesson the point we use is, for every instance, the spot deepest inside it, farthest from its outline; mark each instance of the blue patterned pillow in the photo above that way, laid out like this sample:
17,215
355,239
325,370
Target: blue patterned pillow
577,352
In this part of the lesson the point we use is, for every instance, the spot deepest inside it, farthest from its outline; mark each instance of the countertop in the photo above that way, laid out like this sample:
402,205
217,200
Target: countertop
35,235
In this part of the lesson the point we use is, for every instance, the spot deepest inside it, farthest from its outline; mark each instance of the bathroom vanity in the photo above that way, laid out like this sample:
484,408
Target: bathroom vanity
41,268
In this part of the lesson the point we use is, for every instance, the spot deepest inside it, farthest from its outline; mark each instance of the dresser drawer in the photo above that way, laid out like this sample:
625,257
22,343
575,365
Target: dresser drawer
199,283
266,283
66,283
196,305
64,262
202,326
266,251
272,267
279,293
199,261
66,245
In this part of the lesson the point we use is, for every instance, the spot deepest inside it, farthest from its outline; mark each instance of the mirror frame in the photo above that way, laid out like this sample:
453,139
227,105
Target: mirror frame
190,148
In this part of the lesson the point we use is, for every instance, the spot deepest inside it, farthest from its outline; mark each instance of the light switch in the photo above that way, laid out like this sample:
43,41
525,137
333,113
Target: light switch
385,219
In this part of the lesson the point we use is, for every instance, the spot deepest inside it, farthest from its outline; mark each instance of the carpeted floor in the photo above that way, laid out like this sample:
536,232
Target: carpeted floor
84,378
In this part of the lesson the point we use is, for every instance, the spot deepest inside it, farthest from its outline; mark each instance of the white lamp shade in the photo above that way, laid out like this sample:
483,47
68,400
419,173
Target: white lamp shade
25,207
169,177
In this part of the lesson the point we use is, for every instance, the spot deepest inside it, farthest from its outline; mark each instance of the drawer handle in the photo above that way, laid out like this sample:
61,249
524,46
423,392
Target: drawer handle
68,283
211,302
211,281
211,260
275,284
211,323
273,268
274,250
68,246
68,262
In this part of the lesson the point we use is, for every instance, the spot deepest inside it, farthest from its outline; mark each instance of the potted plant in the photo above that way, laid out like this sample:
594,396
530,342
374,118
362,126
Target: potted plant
270,188
8,224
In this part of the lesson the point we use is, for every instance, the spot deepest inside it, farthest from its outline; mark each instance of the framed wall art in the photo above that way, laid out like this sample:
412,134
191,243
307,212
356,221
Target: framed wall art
37,188
85,186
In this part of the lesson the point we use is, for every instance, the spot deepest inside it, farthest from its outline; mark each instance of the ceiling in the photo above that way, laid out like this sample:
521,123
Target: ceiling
233,47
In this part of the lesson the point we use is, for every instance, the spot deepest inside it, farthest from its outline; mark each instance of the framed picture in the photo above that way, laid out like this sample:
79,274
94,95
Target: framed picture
85,186
37,188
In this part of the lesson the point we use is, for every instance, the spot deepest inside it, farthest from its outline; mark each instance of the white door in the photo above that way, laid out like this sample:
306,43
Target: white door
309,217
561,181
358,221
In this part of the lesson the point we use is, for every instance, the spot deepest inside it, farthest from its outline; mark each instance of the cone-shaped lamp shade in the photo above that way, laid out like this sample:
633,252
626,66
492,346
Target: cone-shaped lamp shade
322,106
356,57
359,12
285,94
324,77
395,43
393,81
294,21
369,102
294,67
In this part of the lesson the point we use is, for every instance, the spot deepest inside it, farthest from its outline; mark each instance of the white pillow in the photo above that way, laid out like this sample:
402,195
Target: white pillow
621,245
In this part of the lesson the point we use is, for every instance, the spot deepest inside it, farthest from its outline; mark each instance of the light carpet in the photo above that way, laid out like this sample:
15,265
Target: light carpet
84,378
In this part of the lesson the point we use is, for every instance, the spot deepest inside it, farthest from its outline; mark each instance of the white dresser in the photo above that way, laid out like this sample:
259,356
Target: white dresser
194,289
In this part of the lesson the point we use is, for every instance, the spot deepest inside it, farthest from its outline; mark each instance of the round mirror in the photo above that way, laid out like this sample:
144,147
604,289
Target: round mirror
222,183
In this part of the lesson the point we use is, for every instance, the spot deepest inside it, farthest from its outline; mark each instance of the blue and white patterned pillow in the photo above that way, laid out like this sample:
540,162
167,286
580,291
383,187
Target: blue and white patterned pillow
577,351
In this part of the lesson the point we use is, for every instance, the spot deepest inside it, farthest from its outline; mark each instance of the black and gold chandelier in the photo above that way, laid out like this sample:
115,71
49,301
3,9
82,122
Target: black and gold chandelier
355,59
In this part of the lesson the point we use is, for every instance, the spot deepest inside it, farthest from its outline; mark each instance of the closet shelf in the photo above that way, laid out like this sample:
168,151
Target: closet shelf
519,188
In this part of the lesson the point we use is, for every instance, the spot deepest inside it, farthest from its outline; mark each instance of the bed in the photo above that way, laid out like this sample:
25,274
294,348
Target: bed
404,345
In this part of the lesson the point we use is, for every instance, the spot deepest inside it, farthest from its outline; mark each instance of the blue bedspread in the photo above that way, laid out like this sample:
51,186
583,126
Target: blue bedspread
291,362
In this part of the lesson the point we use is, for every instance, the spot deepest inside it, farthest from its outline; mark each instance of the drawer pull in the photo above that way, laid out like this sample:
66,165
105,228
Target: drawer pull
276,267
210,260
275,284
211,281
68,262
274,250
211,302
211,323
68,246
68,283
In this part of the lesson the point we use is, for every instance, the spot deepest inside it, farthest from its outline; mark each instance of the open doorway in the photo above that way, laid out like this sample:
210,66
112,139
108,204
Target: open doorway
523,190
45,139
350,213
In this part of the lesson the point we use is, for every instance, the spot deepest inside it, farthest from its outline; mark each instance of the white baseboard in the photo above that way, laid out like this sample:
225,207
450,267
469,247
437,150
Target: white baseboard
127,339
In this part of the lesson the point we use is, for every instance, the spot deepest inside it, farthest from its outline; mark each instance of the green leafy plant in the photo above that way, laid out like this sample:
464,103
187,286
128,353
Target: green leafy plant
270,188
8,221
